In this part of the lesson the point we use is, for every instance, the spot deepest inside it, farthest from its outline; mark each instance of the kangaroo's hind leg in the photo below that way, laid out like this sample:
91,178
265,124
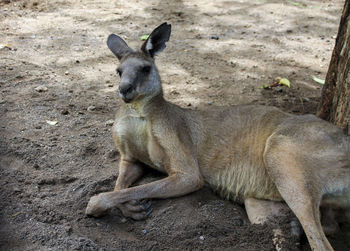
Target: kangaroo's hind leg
261,211
299,186
329,224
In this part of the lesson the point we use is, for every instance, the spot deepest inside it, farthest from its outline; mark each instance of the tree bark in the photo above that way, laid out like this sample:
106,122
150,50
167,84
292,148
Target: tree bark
335,100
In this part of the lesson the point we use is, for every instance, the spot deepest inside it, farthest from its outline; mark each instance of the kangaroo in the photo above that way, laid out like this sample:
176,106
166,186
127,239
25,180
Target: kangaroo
257,155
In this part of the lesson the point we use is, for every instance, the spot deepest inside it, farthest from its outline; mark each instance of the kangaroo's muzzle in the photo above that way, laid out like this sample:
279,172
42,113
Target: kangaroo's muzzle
126,92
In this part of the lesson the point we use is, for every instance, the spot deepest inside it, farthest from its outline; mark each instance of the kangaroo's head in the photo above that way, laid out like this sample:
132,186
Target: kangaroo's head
139,77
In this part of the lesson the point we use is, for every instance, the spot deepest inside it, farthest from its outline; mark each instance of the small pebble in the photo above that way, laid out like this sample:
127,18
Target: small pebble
112,154
233,64
64,112
216,37
210,102
16,189
66,73
41,88
68,229
91,108
10,68
81,239
52,122
109,122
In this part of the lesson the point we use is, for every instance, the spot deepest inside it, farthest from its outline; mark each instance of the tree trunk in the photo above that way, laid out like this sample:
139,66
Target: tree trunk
335,100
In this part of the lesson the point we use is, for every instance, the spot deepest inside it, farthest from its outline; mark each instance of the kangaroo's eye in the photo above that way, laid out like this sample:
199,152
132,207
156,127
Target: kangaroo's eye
119,72
146,69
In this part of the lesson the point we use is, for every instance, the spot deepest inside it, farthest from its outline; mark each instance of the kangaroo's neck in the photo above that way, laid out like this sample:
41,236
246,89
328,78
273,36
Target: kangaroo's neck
148,105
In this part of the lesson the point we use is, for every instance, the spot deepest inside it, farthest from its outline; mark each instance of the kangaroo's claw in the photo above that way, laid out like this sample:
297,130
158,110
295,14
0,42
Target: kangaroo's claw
136,210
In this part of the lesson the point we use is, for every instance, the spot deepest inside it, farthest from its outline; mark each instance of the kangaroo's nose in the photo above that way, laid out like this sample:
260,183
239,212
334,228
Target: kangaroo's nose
125,89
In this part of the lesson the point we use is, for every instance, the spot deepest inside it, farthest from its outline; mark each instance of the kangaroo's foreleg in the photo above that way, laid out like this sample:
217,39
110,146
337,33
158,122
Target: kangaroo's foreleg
176,184
129,172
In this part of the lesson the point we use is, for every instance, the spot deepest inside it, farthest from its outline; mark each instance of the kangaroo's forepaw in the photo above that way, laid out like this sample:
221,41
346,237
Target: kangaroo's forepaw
97,206
137,210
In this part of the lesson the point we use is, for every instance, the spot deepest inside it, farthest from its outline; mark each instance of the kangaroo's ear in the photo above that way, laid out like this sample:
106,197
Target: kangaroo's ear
118,46
156,41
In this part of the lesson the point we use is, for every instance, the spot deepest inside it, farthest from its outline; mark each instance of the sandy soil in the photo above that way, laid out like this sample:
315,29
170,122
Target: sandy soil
57,68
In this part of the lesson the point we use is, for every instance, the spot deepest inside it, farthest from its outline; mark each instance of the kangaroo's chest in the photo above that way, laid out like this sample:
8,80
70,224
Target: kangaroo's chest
134,140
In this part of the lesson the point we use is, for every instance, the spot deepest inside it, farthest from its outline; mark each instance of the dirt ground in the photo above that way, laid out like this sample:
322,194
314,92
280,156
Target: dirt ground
58,97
